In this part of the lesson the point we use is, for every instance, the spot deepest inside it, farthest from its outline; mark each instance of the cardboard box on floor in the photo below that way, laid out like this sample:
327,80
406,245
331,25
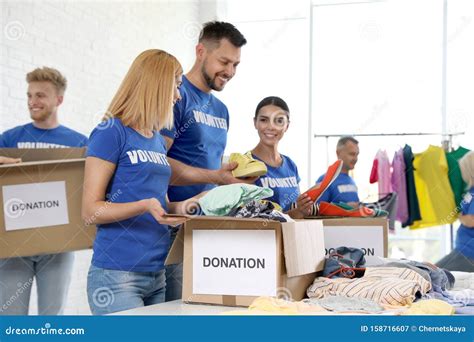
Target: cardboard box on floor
230,261
41,200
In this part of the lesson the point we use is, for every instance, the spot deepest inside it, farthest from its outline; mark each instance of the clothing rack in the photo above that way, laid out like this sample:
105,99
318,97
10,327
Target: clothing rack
447,144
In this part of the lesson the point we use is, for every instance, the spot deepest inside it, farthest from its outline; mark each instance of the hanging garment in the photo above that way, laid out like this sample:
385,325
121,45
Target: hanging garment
436,199
374,177
383,173
412,198
387,204
384,285
222,199
399,185
260,209
455,179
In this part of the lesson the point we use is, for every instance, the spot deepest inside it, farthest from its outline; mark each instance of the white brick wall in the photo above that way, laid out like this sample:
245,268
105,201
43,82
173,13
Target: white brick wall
92,43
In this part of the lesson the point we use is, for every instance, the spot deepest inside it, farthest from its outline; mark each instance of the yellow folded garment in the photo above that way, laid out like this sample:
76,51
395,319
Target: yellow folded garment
430,307
276,306
272,304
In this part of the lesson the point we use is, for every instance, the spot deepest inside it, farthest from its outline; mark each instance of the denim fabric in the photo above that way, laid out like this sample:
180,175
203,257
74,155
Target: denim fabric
113,290
53,276
343,257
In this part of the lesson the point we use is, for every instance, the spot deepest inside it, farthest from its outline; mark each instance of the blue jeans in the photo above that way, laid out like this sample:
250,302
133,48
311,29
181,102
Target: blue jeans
113,290
456,261
174,274
53,276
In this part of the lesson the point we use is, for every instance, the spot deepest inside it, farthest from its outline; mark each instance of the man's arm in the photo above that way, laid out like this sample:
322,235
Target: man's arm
183,174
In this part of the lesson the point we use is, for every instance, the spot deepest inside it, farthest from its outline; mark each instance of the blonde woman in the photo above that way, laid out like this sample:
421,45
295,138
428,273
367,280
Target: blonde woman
126,180
462,257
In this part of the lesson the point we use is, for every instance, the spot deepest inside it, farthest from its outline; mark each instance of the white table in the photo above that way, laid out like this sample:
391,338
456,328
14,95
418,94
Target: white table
177,308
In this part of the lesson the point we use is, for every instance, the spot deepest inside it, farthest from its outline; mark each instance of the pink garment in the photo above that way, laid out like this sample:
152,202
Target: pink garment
383,173
399,185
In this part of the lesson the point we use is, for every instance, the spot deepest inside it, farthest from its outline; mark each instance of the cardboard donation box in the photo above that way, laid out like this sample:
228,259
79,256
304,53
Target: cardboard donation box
41,200
231,261
368,234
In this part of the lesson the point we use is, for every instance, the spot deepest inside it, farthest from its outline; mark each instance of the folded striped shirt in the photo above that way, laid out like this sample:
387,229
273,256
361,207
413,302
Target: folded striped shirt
384,285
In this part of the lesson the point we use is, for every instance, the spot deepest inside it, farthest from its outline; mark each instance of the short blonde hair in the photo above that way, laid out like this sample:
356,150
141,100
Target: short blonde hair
466,165
145,96
46,74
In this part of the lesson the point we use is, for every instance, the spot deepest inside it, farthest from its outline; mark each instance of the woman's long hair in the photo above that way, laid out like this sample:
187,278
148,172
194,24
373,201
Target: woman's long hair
145,96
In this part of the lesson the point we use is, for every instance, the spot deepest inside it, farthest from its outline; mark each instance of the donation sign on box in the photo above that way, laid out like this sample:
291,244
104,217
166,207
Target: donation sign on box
35,205
234,262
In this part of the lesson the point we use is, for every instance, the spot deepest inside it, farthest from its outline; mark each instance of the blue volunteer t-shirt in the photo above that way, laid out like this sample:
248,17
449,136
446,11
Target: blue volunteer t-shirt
343,189
140,243
465,235
201,122
29,136
283,180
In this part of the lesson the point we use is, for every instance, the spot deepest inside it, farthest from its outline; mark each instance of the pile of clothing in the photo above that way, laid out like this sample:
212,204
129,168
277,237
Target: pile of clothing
242,201
340,305
391,283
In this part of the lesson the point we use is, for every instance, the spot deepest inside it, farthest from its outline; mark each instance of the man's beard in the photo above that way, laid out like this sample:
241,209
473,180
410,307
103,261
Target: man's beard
210,82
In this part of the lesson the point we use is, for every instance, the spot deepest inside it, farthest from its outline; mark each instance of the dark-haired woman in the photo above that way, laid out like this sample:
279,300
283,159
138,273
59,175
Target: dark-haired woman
272,119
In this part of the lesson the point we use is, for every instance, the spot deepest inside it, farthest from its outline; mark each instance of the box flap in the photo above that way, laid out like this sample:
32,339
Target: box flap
304,250
175,220
37,154
175,254
42,162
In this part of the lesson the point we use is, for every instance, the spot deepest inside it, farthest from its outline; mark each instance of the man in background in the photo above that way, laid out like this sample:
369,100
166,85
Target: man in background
46,87
344,189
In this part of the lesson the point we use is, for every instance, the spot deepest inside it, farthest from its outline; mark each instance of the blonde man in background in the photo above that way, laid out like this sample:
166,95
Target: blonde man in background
52,272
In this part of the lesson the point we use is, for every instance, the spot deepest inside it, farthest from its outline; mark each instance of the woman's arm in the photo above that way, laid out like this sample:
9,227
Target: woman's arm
95,210
467,220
